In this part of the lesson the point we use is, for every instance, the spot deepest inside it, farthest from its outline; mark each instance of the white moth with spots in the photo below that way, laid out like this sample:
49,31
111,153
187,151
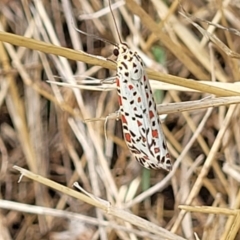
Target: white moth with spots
140,122
141,125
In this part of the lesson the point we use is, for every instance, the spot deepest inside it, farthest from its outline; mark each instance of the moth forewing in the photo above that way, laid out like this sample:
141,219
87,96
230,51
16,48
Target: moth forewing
141,125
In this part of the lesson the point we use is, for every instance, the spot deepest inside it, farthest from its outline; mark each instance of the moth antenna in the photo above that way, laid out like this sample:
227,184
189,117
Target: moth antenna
115,23
93,36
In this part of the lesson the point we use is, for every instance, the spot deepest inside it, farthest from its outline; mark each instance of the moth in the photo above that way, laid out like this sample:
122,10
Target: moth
141,126
140,122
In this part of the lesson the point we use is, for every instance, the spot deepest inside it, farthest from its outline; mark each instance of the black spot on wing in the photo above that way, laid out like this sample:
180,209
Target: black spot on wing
147,131
138,115
152,166
124,64
141,160
132,133
138,139
150,104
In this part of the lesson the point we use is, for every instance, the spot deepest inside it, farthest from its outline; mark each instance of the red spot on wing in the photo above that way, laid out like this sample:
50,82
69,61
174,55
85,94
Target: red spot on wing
147,95
124,120
156,150
154,133
139,99
118,82
151,115
144,78
127,137
130,87
120,100
139,123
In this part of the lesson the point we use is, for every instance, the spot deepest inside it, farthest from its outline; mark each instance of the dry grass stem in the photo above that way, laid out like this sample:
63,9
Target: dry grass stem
58,112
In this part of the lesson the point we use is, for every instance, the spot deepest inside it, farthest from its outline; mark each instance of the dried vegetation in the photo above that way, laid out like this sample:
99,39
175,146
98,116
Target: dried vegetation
43,127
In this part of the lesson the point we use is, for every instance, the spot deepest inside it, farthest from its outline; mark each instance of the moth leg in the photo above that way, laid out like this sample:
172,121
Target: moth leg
118,112
109,80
